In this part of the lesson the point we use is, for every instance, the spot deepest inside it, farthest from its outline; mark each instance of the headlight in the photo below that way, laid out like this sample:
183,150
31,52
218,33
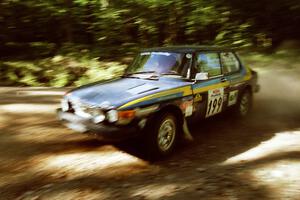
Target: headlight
98,116
112,116
98,119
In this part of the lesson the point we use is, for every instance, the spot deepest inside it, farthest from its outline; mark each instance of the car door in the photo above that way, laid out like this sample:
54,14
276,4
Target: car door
234,73
210,94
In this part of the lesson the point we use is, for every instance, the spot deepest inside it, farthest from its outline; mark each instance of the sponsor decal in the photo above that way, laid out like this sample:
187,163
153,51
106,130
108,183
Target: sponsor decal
215,101
233,96
198,97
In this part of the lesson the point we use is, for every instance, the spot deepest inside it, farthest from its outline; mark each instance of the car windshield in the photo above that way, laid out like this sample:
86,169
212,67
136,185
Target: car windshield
162,63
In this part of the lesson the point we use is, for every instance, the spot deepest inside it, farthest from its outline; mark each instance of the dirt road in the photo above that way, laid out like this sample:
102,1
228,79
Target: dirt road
257,158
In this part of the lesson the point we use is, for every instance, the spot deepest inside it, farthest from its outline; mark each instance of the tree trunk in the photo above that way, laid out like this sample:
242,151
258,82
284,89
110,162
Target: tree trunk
68,27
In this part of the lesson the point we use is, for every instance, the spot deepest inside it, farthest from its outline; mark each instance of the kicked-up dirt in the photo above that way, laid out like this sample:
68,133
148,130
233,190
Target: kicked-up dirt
254,158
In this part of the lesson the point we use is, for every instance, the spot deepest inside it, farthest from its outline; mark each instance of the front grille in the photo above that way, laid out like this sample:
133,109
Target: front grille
88,110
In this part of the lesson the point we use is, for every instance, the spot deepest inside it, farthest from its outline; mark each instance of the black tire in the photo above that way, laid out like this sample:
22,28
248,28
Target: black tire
161,135
244,104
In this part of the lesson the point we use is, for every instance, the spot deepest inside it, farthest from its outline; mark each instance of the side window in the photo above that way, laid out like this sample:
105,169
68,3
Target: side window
210,63
229,62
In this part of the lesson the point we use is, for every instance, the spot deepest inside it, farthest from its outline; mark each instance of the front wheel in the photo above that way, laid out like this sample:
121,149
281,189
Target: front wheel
162,134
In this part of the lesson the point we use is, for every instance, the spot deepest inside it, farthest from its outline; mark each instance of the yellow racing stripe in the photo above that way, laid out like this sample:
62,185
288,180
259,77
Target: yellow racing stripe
248,75
187,90
211,87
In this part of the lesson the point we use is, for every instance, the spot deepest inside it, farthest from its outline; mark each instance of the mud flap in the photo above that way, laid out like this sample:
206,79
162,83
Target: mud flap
186,132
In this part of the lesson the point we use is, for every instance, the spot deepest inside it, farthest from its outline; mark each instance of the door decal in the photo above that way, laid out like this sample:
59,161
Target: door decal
233,97
215,101
198,97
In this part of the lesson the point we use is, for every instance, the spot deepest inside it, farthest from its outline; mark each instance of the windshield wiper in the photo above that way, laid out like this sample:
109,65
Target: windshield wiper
142,72
153,75
171,73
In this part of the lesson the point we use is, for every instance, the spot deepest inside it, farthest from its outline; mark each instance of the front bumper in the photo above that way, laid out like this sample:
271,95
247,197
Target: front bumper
101,131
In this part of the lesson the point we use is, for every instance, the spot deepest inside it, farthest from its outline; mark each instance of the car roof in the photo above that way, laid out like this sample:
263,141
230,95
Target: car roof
188,48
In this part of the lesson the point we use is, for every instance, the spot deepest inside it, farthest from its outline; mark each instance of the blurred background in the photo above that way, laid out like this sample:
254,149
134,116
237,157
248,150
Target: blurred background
67,43
72,42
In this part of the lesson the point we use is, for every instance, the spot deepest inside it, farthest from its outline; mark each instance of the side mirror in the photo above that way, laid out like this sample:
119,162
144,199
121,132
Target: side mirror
202,76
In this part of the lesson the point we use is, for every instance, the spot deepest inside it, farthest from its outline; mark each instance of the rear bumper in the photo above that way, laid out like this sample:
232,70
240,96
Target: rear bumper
101,131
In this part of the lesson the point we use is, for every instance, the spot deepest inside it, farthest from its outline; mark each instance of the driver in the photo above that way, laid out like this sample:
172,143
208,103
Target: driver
166,63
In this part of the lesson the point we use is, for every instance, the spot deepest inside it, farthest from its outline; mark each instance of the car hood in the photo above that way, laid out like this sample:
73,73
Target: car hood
117,92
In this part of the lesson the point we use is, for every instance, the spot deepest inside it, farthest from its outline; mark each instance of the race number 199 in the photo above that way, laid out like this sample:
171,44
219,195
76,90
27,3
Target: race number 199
215,101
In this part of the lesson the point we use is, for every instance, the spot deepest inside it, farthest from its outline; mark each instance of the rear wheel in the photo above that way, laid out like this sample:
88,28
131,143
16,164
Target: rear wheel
244,104
162,133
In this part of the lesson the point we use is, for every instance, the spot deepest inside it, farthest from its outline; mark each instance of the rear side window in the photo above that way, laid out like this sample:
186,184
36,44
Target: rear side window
210,63
230,62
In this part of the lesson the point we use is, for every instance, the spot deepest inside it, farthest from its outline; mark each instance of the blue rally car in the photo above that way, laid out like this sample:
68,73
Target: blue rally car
159,92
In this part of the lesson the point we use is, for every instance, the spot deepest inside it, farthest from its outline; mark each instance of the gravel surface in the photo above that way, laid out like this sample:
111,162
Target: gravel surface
254,158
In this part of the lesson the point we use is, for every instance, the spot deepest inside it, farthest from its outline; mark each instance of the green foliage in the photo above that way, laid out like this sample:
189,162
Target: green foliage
58,71
111,23
34,32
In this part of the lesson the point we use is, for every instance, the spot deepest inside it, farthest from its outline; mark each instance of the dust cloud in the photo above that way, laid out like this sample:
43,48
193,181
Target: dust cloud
279,98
